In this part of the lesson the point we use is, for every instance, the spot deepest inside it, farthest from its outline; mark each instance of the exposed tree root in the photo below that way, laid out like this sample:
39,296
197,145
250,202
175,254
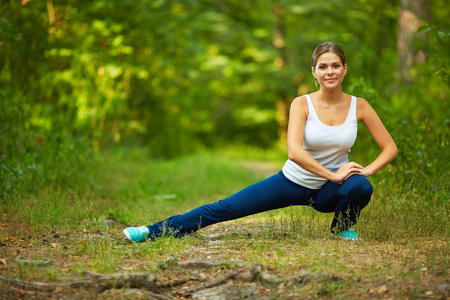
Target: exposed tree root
207,284
149,282
37,286
120,280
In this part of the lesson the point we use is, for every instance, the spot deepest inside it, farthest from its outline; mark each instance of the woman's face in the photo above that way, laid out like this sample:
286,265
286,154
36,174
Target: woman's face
329,70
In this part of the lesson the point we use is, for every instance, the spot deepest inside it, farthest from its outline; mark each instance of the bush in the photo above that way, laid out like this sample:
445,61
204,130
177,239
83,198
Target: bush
35,154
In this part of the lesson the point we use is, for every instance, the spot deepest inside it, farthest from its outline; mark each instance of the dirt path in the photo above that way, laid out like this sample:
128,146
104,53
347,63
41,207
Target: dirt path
219,266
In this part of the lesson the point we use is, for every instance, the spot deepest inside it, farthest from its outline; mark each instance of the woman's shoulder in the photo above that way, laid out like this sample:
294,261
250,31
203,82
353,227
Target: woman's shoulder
300,105
363,108
299,101
362,103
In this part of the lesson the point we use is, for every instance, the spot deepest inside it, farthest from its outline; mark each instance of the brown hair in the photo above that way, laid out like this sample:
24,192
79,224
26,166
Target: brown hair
325,48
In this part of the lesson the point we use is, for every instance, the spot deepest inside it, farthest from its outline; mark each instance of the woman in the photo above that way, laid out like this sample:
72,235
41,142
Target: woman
322,129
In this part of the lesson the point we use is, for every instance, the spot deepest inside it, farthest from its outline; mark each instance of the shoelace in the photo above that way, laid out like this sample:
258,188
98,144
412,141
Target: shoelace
142,230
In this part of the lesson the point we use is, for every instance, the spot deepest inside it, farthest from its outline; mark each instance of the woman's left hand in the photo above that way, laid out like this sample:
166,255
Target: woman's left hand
361,171
365,172
347,170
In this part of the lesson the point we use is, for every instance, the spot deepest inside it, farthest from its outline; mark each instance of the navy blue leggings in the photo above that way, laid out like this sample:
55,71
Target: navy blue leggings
346,200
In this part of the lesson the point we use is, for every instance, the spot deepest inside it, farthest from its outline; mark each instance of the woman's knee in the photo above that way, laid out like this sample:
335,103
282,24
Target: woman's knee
360,185
362,190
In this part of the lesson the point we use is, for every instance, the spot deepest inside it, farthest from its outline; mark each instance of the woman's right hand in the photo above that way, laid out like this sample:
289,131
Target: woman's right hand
347,170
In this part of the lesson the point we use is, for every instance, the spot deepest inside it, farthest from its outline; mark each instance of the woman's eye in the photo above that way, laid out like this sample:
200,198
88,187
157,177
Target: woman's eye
321,67
336,66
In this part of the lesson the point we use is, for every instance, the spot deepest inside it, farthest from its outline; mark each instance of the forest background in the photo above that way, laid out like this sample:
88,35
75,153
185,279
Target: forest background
79,79
118,113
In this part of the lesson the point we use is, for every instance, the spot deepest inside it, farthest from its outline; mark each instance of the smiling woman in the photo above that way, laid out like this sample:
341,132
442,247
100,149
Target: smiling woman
329,69
326,52
322,129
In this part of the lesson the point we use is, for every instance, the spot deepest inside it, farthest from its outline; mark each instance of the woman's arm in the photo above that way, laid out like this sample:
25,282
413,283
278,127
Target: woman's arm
389,151
297,119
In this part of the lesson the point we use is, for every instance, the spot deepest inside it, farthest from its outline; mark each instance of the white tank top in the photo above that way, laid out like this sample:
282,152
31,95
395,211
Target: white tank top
329,145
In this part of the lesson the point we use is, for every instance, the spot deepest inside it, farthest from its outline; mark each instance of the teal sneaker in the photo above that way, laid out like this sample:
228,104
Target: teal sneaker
136,234
349,234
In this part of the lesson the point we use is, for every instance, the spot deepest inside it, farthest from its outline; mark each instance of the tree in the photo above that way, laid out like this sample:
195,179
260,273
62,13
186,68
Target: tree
411,16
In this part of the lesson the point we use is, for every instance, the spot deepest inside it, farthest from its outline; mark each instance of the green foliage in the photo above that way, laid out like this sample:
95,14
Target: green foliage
436,44
38,152
422,122
176,77
421,136
39,144
179,76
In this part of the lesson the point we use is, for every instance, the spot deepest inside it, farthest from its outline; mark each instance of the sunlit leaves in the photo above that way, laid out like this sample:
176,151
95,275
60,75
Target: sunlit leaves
173,75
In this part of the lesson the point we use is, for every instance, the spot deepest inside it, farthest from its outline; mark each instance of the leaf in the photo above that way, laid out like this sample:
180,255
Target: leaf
381,289
9,239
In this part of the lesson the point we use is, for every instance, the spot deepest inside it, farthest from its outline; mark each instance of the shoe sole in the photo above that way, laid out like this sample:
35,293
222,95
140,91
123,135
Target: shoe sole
346,238
127,234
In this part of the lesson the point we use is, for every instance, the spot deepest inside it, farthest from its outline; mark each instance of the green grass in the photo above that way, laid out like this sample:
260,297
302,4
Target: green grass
405,248
149,190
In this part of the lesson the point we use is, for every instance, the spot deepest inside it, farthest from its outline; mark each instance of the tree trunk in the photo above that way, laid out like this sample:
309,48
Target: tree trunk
412,12
281,61
51,17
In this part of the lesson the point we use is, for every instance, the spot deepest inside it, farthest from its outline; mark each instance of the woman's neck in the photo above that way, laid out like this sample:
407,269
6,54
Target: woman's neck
330,96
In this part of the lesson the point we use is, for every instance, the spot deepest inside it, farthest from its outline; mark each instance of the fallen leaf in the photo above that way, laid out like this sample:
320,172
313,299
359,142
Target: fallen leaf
381,289
9,239
20,294
3,261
